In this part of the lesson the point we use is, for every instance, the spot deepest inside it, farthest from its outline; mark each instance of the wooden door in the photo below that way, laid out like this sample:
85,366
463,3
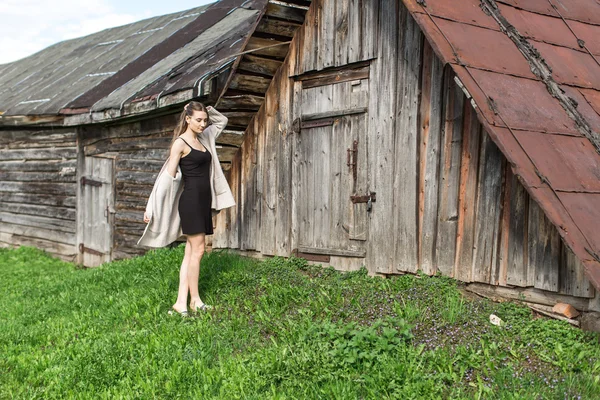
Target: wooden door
96,211
332,194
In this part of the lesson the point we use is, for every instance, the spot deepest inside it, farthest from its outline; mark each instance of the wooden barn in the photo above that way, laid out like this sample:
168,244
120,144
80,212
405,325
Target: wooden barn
85,125
459,138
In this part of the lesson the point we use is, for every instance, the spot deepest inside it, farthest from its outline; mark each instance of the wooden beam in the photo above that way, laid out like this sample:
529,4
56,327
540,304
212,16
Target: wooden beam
268,47
333,252
250,83
277,27
286,13
244,101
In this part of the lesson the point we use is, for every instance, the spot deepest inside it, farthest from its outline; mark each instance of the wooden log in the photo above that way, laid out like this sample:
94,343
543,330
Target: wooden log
450,177
277,27
532,295
259,65
137,177
38,198
267,47
63,153
125,146
63,251
128,189
250,83
51,235
55,224
243,102
63,167
286,13
467,196
37,176
63,189
63,213
36,137
334,75
238,118
231,137
126,164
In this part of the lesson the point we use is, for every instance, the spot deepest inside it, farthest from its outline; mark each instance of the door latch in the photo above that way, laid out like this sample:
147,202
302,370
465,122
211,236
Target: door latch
369,199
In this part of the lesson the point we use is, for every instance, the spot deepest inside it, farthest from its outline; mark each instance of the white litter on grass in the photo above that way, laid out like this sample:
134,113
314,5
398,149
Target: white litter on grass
495,320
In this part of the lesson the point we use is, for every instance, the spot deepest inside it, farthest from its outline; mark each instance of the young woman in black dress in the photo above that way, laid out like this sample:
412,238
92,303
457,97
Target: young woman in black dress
195,202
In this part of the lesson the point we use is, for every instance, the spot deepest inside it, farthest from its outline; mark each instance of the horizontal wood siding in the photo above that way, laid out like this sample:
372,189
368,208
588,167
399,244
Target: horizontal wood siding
38,201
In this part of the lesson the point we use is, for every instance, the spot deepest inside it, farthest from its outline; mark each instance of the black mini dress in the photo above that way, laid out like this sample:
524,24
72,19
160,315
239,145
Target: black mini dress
196,198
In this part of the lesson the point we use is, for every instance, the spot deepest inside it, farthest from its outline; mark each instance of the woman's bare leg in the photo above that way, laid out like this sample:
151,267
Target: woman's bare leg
193,272
181,303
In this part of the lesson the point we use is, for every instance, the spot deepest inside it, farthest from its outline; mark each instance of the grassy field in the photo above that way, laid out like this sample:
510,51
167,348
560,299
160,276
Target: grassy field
281,329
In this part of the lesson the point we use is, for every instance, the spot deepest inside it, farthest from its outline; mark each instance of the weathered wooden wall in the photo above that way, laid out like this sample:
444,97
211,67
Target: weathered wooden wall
446,199
38,189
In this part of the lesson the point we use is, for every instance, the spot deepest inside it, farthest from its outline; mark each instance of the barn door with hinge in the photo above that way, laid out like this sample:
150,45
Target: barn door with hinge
333,199
96,211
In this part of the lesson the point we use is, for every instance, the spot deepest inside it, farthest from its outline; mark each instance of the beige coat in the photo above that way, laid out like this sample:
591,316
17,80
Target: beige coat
162,208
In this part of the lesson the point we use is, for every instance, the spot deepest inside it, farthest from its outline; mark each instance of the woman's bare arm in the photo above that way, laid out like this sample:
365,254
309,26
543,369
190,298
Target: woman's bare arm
174,157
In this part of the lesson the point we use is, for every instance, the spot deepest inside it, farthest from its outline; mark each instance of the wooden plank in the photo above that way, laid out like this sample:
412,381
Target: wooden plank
507,181
269,201
341,32
372,17
231,137
332,252
404,166
487,224
544,249
450,177
572,279
355,27
335,113
338,75
467,196
326,31
516,273
360,215
308,48
125,164
431,111
64,189
36,137
296,149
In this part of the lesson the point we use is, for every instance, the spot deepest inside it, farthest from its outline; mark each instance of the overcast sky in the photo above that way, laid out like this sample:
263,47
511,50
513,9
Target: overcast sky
27,26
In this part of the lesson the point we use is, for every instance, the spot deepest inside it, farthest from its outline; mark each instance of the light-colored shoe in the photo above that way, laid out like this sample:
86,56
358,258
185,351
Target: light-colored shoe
201,307
183,313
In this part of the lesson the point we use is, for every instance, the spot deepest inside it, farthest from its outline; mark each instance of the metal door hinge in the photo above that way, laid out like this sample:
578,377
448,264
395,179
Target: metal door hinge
351,156
87,181
83,249
369,199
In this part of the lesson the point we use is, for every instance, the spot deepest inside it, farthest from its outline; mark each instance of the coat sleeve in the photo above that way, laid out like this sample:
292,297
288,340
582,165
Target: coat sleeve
149,207
218,121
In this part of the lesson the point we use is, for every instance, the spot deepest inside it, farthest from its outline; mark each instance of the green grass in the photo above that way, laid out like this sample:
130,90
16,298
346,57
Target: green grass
281,329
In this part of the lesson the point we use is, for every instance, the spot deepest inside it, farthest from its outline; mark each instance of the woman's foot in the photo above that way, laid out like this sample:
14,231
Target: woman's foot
176,310
198,305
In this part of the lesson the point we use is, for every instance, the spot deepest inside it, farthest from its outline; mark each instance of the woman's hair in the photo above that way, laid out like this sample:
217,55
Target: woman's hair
182,124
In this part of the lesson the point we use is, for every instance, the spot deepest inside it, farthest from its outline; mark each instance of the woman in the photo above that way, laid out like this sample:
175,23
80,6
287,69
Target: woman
192,156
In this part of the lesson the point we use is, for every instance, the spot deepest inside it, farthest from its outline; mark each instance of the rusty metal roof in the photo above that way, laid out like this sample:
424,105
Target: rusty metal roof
121,65
532,68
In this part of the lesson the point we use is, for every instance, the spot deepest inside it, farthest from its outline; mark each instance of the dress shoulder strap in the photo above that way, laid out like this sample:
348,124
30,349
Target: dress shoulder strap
185,141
